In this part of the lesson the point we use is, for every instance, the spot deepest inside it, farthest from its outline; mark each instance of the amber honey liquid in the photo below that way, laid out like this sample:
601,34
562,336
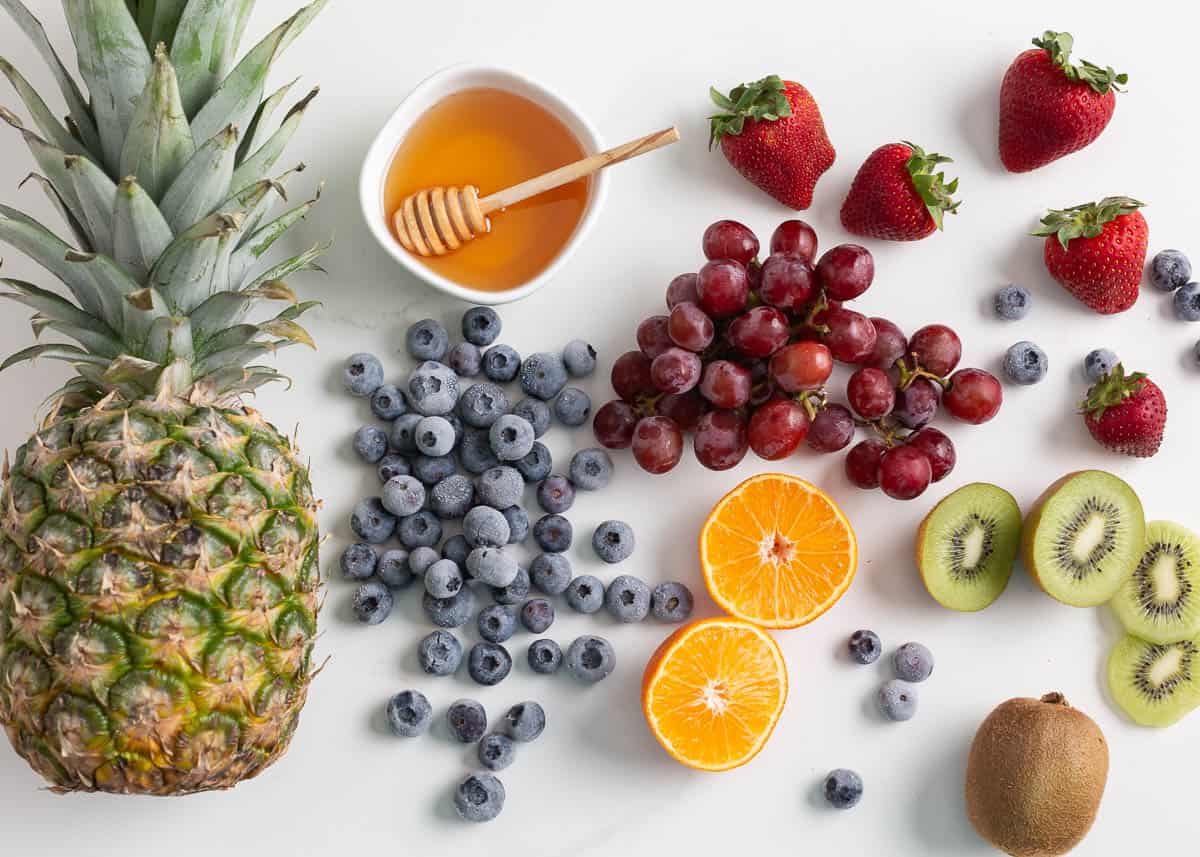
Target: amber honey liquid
493,139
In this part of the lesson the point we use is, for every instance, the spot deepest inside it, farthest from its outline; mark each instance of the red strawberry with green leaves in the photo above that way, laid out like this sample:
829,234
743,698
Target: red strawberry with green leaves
1097,251
1126,413
1049,107
897,196
772,133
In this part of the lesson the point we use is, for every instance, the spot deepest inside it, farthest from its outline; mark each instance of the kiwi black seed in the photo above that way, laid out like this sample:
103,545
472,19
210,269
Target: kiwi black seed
1160,602
1156,684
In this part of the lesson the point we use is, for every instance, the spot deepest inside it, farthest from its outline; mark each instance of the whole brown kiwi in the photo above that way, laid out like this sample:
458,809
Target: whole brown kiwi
1035,776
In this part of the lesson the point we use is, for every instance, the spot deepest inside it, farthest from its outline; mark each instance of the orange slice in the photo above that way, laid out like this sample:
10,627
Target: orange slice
713,693
777,551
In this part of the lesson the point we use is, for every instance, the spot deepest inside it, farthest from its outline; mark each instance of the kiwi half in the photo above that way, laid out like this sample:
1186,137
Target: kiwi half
1156,684
1084,537
1160,601
967,545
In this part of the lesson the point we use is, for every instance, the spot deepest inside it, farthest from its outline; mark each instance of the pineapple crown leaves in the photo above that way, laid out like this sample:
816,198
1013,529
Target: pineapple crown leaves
1110,391
1086,220
764,100
935,191
1058,46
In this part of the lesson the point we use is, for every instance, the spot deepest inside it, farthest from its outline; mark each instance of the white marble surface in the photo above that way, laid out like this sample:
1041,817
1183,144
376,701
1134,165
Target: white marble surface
597,783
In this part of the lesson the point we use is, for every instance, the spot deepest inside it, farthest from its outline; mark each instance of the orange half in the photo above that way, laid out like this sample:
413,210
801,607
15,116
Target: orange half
713,693
777,551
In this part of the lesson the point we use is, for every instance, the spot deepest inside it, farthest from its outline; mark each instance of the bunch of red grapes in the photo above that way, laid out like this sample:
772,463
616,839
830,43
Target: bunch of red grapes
741,359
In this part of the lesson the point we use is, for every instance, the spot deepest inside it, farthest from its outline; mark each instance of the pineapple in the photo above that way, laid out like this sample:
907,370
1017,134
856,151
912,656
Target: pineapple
158,539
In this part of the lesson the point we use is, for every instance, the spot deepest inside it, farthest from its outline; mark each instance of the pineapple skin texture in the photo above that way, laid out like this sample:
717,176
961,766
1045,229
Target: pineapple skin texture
159,585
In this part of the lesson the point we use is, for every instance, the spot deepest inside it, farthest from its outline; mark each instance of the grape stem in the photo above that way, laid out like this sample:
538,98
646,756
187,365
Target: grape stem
908,375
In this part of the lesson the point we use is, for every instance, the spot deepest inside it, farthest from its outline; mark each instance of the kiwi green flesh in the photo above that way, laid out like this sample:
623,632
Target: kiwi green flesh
1155,684
1160,600
1089,536
967,546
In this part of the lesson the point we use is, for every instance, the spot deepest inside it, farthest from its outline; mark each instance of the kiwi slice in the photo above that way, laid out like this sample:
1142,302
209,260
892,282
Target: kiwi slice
1084,537
967,545
1160,601
1156,684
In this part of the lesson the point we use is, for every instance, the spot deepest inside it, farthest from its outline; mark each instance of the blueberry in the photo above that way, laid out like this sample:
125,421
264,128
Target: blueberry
525,721
371,443
511,437
501,487
387,402
486,527
457,425
516,591
434,436
496,751
551,573
572,407
898,700
518,524
555,494
579,358
1169,270
1187,302
427,339
843,788
392,464
1025,363
492,566
537,465
420,558
467,720
371,522
475,451
488,663
497,622
544,656
409,713
865,647
591,659
432,389
501,363
403,496
394,569
543,375
480,326
1099,363
362,375
453,612
537,615
913,662
1013,302
553,533
439,653
403,436
432,469
613,541
627,599
671,602
422,528
591,469
358,561
465,359
372,602
456,548
451,498
585,594
443,579
482,404
536,413
478,798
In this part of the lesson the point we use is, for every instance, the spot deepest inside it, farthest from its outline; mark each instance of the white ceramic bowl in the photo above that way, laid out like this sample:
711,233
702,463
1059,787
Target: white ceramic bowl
433,89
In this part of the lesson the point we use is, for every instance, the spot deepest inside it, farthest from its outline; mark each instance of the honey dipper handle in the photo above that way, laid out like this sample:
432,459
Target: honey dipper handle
579,169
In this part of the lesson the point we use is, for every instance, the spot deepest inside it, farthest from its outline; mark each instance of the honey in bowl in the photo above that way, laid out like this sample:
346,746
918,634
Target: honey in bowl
493,139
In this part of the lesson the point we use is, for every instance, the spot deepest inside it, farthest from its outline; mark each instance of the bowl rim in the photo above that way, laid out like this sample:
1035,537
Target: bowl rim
395,129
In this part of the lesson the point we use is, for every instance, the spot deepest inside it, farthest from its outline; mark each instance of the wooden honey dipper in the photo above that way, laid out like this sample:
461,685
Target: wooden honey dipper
437,220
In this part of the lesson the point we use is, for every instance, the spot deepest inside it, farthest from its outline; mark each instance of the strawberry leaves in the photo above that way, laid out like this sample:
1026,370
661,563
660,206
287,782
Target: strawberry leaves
1058,46
763,100
935,191
1111,390
1086,220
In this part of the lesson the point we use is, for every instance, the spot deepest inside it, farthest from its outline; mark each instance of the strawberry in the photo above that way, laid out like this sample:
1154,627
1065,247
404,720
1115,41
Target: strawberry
897,196
1126,414
1097,250
1050,108
772,133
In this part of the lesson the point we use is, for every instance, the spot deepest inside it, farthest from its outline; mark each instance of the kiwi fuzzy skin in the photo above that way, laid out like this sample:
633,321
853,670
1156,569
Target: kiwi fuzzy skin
1035,776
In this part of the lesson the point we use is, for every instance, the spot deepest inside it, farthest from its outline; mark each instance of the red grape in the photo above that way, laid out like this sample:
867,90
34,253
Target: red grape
723,288
851,335
777,429
631,376
690,327
801,366
938,448
682,288
613,425
862,462
684,408
675,371
974,396
759,332
917,404
832,429
728,239
721,441
795,236
726,384
657,444
937,347
652,336
870,393
890,345
904,472
787,281
846,271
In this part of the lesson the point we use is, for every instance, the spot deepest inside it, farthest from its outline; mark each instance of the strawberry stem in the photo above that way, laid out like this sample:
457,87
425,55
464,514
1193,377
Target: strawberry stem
1110,391
1058,46
1086,220
935,191
763,101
